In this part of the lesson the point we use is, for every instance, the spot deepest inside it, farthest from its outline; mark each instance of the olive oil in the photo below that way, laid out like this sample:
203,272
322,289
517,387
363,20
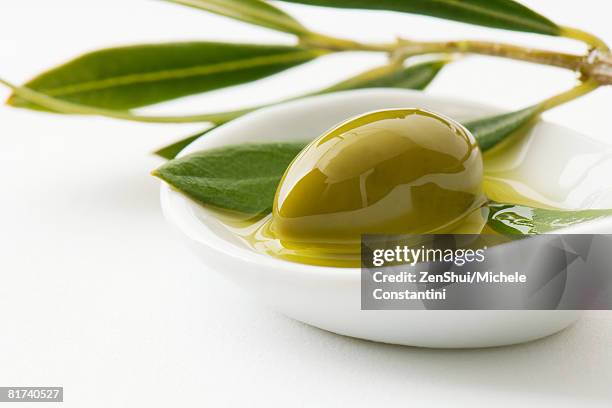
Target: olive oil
386,172
402,171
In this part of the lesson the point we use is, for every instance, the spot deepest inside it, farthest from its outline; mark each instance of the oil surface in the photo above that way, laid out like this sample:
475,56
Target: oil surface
388,172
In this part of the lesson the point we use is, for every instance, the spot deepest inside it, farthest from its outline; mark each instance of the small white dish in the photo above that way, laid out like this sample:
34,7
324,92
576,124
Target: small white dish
563,165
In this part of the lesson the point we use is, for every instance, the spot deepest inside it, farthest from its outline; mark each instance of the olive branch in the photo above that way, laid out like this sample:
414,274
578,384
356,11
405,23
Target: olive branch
113,82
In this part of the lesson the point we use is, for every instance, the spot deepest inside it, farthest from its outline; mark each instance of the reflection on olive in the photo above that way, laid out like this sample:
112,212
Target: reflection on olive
386,172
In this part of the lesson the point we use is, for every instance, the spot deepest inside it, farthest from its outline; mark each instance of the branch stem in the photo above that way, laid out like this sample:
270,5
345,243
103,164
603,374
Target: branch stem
576,92
538,56
587,38
596,65
322,41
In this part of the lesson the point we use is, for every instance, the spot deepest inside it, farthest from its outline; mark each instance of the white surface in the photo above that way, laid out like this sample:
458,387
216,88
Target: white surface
97,296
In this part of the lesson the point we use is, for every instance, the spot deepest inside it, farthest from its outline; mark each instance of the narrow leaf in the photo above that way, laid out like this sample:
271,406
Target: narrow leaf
488,131
505,14
61,106
171,151
417,76
251,11
491,130
131,77
523,220
239,178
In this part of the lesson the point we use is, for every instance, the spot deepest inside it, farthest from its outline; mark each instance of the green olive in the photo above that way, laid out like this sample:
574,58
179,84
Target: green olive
387,172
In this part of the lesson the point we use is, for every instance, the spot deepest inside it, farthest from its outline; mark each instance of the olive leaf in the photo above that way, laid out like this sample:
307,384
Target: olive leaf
130,77
523,220
250,11
491,130
239,178
416,76
505,14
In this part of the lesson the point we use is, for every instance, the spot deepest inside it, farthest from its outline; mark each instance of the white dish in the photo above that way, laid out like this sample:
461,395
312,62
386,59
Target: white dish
563,165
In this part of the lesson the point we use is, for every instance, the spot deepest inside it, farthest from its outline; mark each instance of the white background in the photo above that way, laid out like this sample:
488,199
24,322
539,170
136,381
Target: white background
98,296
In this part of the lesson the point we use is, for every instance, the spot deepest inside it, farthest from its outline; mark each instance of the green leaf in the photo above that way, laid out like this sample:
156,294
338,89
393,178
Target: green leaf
171,151
251,11
491,130
131,77
58,105
239,178
505,14
488,131
519,219
417,76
